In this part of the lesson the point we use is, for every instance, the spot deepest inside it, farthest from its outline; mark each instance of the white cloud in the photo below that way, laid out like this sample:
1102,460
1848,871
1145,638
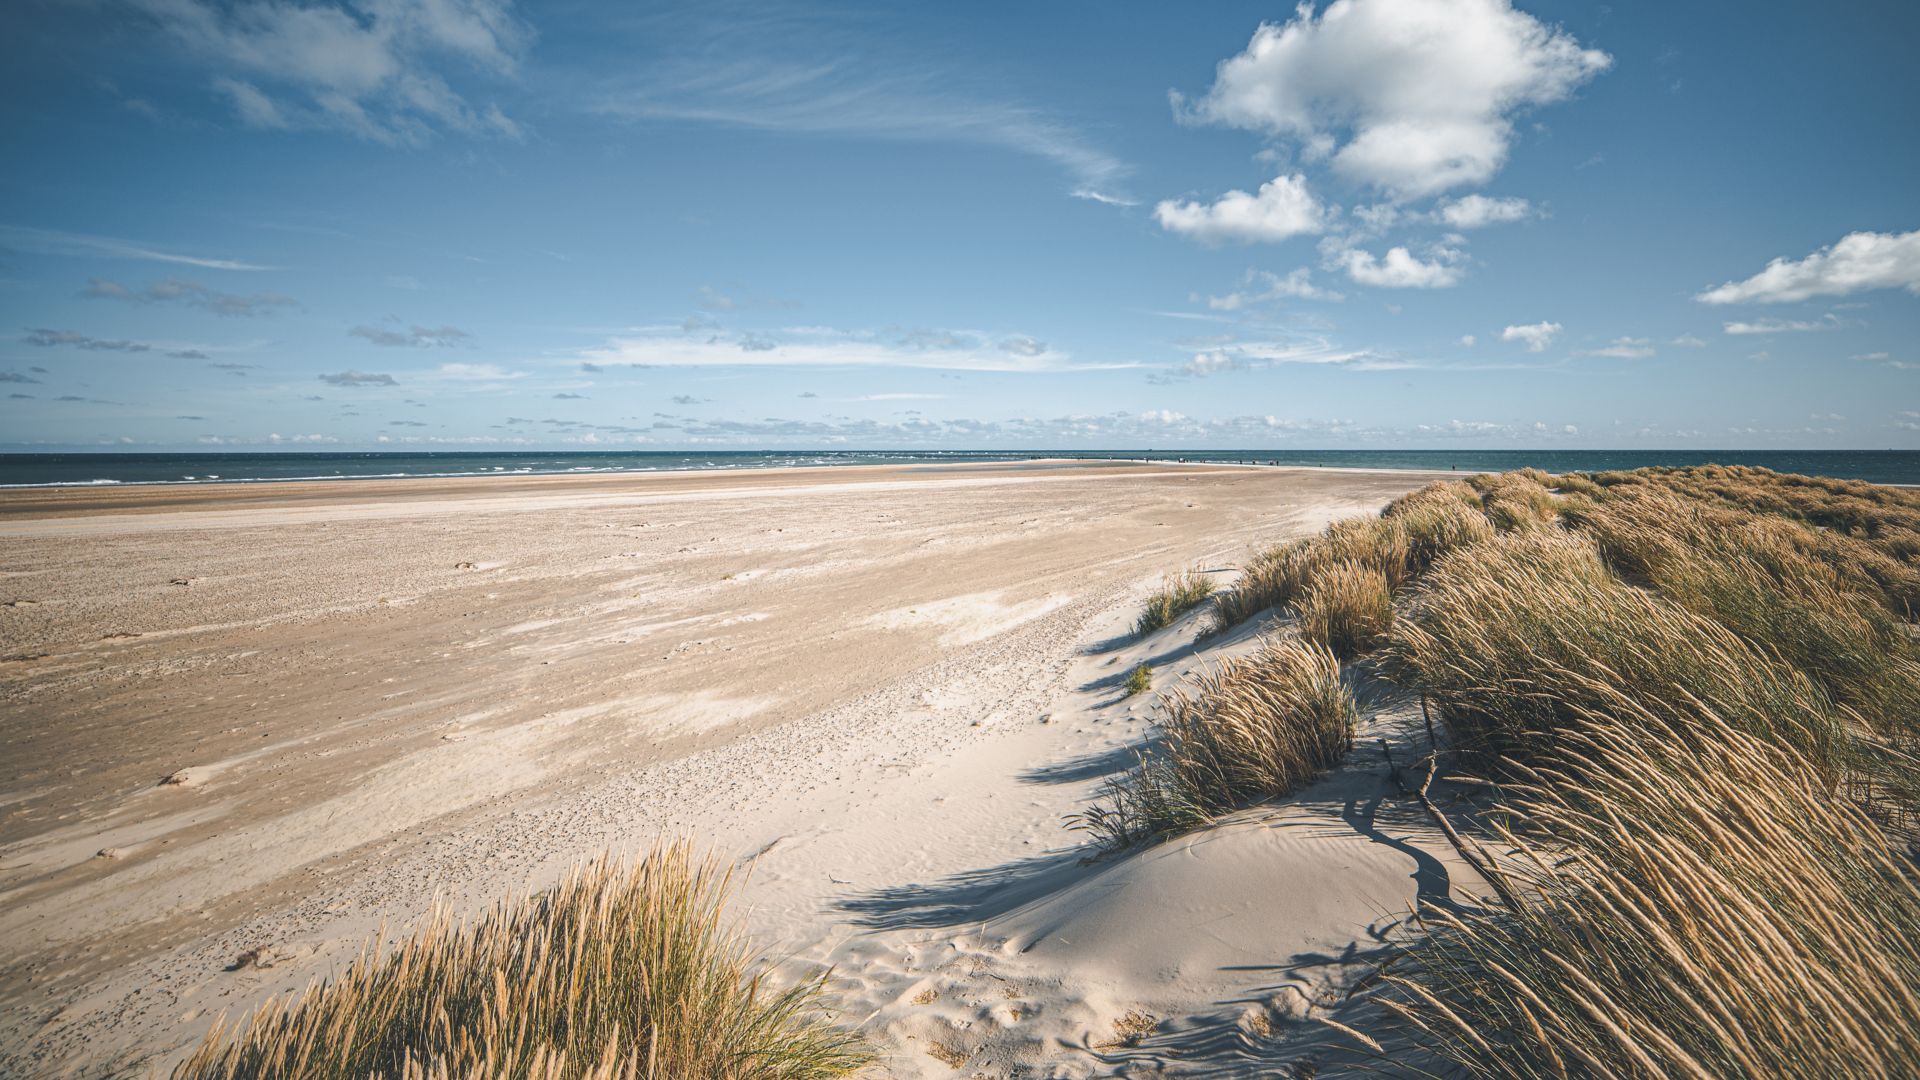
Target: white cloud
1862,260
364,70
1264,285
1467,340
1479,211
1400,268
1781,326
1536,336
1284,207
1622,348
1211,362
1689,341
1250,355
476,372
1885,359
820,346
1413,97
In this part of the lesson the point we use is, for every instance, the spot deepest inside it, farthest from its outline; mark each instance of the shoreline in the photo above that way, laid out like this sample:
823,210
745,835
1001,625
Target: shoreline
20,505
1898,468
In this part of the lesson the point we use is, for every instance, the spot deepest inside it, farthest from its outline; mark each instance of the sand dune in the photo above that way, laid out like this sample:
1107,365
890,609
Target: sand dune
890,685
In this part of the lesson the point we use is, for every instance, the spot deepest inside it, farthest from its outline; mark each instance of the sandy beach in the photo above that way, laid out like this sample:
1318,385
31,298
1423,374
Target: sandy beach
246,726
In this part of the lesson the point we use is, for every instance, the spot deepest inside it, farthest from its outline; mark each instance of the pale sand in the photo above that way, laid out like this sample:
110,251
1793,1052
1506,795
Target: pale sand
890,683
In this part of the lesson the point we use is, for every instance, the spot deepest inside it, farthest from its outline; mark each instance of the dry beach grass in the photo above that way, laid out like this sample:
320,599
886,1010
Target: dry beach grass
1692,691
618,972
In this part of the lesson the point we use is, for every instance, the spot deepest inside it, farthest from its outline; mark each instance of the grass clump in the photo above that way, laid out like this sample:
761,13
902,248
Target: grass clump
1348,609
1688,899
1258,726
1282,576
1177,595
1437,519
619,971
1518,500
1508,637
1139,680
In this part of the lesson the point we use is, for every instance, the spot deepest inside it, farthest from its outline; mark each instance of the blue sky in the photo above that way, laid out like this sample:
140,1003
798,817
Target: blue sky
1373,223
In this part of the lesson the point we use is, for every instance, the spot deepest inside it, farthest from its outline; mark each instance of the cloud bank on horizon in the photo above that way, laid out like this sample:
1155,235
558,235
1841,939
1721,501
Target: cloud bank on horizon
472,223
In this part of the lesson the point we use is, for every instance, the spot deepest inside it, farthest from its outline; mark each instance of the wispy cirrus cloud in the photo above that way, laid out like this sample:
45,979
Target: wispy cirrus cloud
58,242
737,69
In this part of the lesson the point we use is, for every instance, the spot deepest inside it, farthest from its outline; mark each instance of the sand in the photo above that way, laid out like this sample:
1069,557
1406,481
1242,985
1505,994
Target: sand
276,717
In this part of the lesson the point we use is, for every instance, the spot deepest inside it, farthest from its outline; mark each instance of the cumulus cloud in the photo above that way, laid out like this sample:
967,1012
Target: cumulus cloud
1412,97
1284,207
416,337
1689,341
180,290
1860,261
1479,211
49,338
358,378
1536,336
366,70
1262,286
1399,268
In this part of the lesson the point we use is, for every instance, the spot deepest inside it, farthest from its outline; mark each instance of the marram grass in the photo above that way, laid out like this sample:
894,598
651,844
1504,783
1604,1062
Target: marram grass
1678,680
1257,726
1177,595
1687,899
1348,608
621,972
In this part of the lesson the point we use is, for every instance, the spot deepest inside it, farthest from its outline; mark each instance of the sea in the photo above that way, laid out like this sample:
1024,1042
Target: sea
57,470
